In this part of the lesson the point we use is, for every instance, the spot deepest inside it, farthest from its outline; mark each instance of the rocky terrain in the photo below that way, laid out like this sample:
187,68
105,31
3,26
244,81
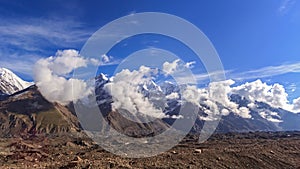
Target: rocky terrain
28,112
232,150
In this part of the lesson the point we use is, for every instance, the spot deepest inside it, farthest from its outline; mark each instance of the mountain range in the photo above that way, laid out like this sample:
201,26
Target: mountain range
24,110
263,116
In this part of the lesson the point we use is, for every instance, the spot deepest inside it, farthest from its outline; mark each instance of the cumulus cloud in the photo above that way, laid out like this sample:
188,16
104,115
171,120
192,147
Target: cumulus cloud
192,94
270,116
190,65
65,61
211,98
274,95
50,75
126,95
296,105
258,91
170,68
215,99
173,96
106,59
252,105
244,112
220,91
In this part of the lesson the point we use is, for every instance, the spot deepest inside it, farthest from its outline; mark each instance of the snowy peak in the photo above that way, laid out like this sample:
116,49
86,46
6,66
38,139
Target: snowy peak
103,77
169,88
11,83
101,80
151,86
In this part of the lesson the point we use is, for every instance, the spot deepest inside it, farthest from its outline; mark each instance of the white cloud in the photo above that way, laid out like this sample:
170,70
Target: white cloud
212,111
225,112
49,75
170,68
193,95
20,66
126,95
33,34
267,71
106,59
264,72
244,112
220,91
26,40
270,116
296,105
95,62
216,94
172,96
65,61
203,77
18,62
251,105
274,95
50,72
190,65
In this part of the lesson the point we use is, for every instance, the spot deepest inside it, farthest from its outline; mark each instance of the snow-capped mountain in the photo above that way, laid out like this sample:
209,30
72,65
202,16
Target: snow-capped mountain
165,96
103,97
11,83
168,88
263,116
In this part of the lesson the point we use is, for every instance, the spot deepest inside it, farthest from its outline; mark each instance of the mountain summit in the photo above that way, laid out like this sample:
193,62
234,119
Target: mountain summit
264,117
11,83
27,111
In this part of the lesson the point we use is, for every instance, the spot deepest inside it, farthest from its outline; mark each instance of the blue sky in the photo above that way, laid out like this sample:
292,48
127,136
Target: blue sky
254,38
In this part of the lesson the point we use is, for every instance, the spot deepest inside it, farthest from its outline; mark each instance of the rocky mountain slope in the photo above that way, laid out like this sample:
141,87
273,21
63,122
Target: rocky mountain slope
28,112
263,116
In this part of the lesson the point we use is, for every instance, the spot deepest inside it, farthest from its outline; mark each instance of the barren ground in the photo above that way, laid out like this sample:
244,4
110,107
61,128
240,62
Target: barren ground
248,150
